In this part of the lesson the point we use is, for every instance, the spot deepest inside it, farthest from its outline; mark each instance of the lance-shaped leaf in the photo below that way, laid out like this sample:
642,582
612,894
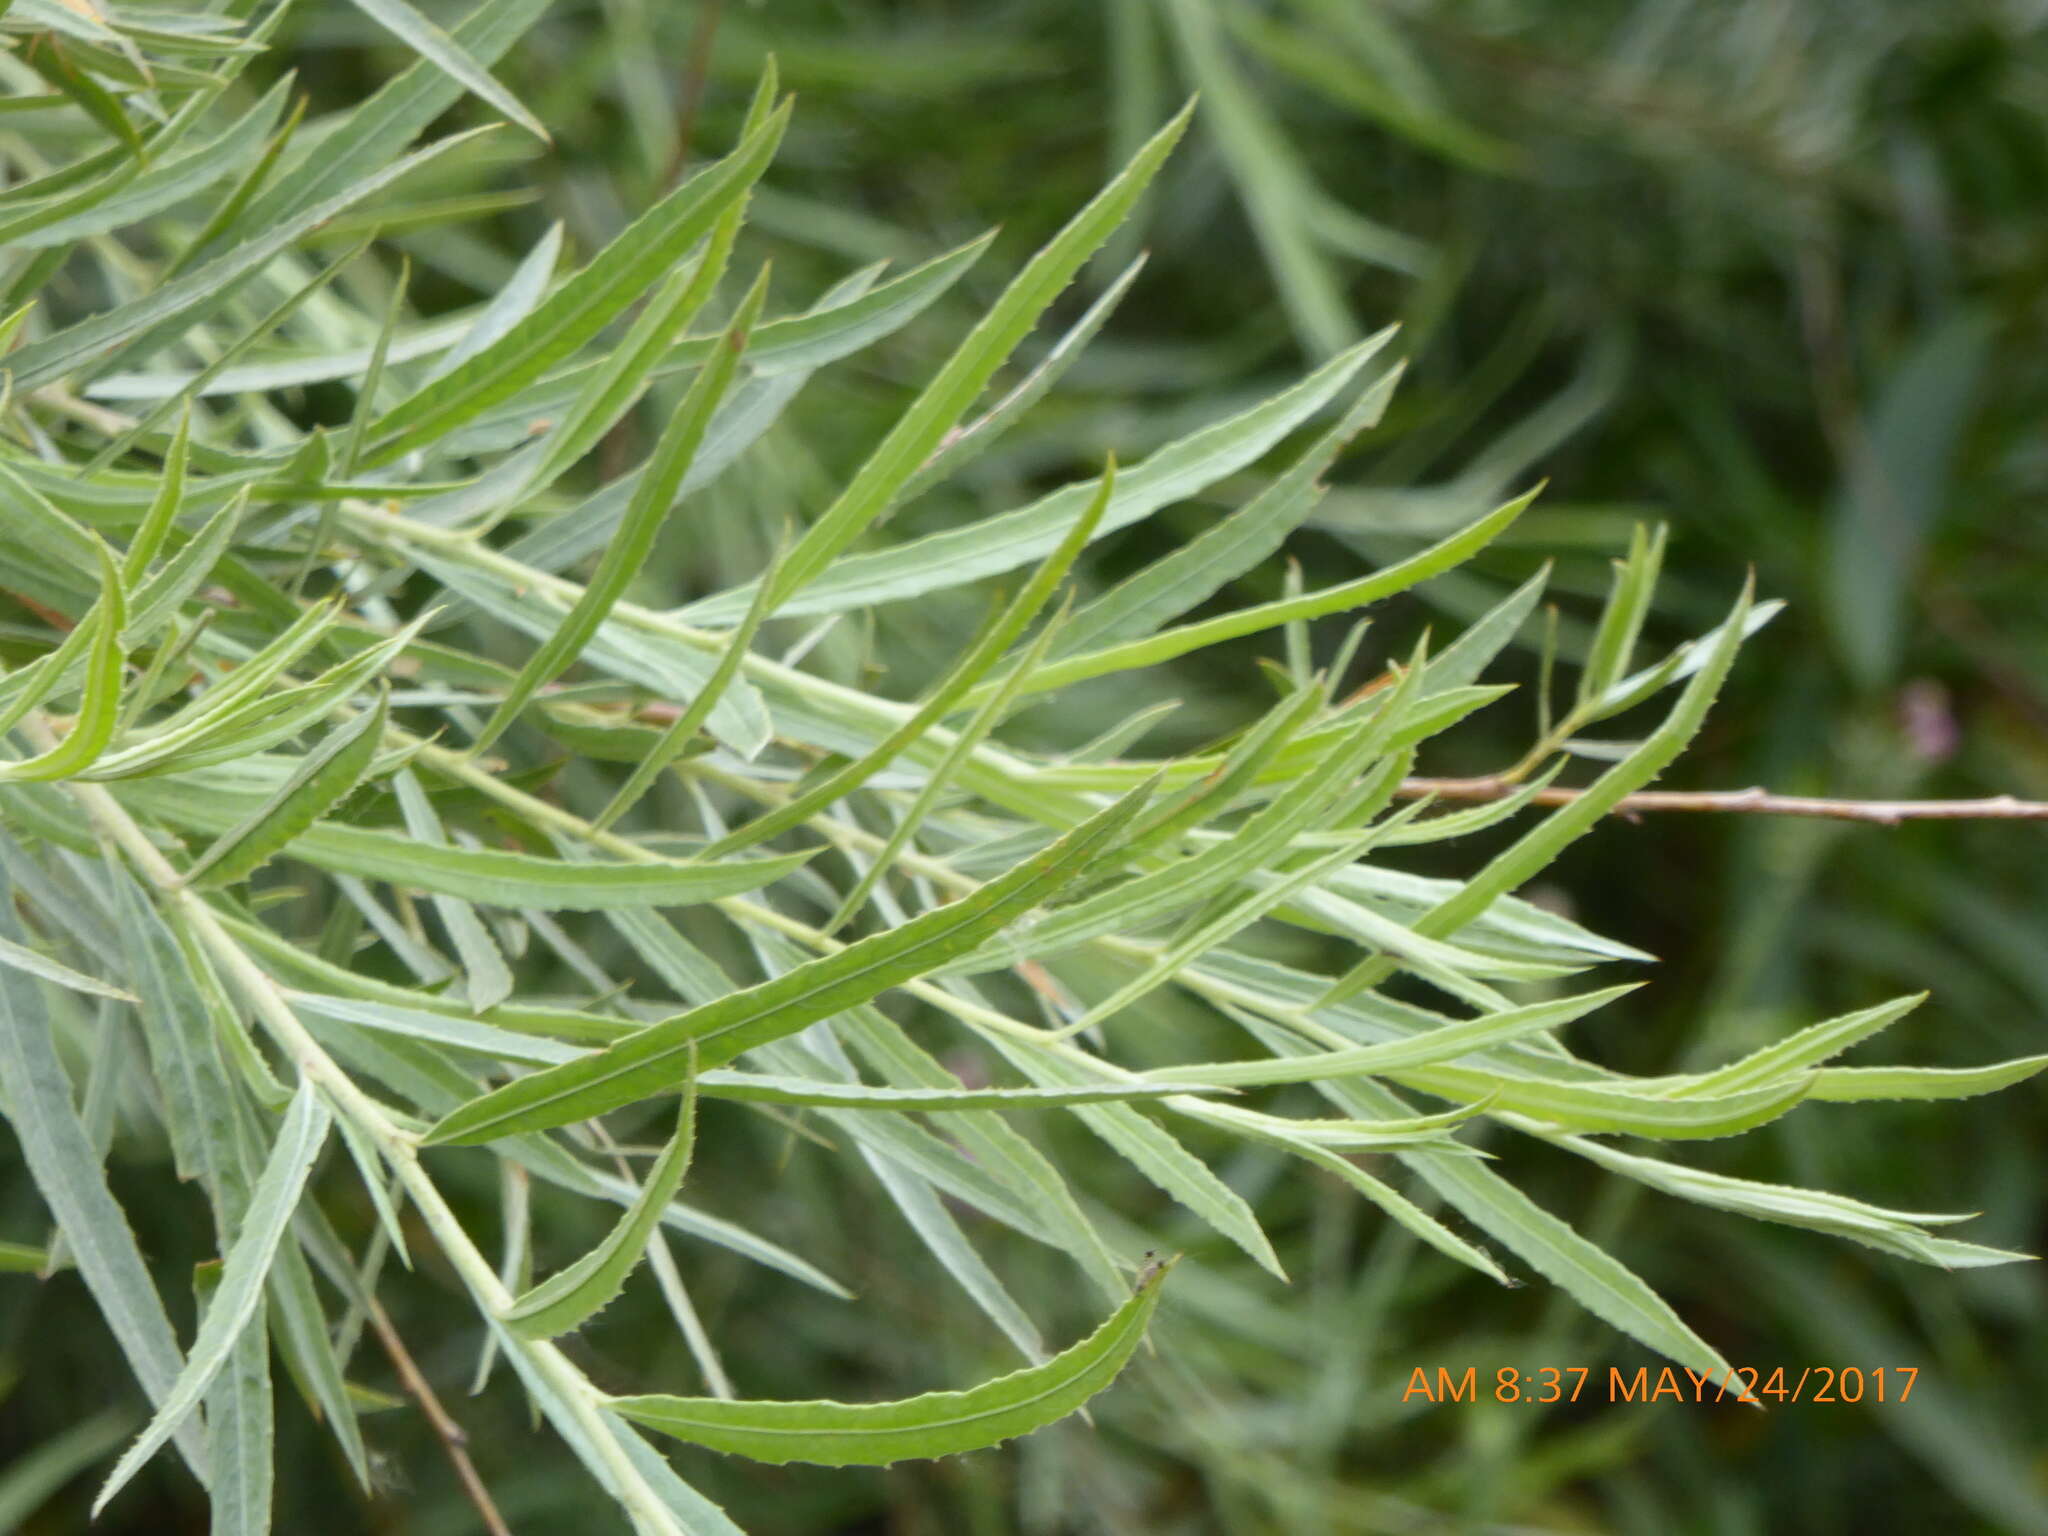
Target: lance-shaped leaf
450,57
1445,1044
497,878
630,546
965,741
1854,1085
1196,570
99,709
766,1088
20,957
992,545
164,509
948,692
167,310
935,412
658,1057
486,975
322,779
1807,1048
111,202
572,1297
1181,639
937,1424
682,730
1542,843
964,443
67,1170
243,1272
574,313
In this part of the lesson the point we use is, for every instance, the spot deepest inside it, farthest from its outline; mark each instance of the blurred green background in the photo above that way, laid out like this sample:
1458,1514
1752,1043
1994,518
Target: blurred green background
1769,271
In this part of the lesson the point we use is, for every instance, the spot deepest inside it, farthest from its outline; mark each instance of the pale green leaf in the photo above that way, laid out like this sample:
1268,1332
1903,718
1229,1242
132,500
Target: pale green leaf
937,1424
245,1267
716,1032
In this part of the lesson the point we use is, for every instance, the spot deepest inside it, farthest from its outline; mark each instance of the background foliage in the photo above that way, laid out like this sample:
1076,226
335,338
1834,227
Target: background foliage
1770,272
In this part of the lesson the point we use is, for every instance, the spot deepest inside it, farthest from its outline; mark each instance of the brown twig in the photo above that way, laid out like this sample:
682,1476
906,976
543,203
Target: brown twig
453,1438
1754,802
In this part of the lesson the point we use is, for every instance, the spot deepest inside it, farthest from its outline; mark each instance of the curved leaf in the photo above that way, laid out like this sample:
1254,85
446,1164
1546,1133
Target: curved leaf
937,1424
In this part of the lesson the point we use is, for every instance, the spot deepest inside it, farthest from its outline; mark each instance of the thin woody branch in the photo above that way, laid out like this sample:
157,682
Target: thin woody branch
454,1440
1753,802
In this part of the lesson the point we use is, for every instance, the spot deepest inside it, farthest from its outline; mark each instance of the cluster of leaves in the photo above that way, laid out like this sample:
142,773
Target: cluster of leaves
251,645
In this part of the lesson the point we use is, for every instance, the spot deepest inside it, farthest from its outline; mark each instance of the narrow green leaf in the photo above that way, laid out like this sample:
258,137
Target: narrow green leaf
508,307
163,511
1153,1150
947,693
993,545
937,1424
241,1425
351,450
111,202
1201,567
99,709
940,780
1621,621
67,1171
244,1269
1345,596
681,731
1443,1044
766,1088
625,374
1807,1048
965,443
164,312
321,780
54,62
570,1298
1461,663
650,506
716,1032
575,312
487,978
21,958
936,411
450,57
1855,1085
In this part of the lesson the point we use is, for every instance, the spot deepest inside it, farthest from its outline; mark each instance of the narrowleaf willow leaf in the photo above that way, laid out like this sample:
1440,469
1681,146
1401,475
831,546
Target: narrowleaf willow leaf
581,307
714,1034
937,1424
650,505
493,877
327,775
245,1267
573,1296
